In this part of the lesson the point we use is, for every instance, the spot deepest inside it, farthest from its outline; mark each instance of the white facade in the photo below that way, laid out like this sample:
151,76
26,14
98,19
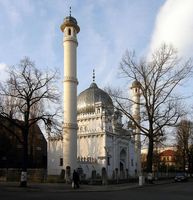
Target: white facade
102,142
55,155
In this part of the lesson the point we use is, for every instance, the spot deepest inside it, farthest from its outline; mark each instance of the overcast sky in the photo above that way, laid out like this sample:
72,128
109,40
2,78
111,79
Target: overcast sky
107,29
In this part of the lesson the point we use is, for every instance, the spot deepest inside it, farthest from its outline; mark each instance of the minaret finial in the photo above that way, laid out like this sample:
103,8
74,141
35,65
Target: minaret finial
93,75
70,11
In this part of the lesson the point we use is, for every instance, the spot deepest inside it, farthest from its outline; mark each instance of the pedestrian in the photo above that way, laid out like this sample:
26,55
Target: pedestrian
150,178
75,180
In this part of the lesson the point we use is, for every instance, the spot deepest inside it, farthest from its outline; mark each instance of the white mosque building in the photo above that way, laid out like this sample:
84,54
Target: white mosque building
94,139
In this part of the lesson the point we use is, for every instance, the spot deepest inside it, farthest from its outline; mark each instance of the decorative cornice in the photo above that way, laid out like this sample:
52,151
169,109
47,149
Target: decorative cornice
55,138
70,126
70,22
71,39
70,79
80,135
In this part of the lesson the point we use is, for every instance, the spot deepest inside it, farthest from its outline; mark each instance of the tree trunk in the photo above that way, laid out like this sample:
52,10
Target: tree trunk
23,181
189,163
150,156
184,161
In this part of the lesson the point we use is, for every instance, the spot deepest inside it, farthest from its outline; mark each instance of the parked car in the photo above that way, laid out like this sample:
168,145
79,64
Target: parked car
181,177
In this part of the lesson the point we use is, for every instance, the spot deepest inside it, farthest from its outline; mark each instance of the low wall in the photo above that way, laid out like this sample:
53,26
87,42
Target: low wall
34,175
40,175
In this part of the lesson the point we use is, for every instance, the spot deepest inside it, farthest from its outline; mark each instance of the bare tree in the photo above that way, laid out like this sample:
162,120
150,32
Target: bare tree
159,77
28,97
184,144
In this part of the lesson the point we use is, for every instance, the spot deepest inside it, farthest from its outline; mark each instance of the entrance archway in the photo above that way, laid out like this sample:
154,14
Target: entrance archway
122,165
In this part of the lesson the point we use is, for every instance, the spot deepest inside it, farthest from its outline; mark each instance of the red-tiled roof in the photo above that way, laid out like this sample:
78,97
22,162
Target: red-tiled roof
168,152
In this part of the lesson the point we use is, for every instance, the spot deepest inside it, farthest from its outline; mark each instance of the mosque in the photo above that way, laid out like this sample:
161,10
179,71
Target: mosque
94,139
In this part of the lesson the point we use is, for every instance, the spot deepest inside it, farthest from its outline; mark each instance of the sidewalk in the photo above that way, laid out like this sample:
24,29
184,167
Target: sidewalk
62,187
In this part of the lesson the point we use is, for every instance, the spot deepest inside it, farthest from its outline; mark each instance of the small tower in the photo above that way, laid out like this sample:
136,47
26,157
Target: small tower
70,29
135,88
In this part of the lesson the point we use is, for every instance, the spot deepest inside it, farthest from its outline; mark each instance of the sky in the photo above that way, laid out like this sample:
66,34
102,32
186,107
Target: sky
107,29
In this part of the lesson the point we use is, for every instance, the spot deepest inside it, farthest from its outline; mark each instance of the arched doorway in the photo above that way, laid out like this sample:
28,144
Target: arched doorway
122,165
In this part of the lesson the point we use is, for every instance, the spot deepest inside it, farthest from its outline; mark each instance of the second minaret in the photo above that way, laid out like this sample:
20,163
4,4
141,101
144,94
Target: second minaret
135,88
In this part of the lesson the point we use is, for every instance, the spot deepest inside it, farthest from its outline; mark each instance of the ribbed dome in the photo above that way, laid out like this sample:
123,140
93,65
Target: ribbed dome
87,99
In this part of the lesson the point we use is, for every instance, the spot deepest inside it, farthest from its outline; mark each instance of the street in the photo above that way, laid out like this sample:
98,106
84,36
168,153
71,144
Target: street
177,191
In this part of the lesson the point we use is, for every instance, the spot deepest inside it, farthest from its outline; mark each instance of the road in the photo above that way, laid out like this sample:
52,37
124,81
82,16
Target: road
174,191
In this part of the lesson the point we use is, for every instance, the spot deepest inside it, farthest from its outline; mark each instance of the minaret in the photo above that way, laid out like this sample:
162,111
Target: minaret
136,115
70,29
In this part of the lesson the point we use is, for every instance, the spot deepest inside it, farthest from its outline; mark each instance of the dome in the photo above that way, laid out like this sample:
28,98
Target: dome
88,98
70,21
136,84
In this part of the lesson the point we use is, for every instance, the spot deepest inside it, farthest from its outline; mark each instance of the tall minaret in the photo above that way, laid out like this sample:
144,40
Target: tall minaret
135,88
70,29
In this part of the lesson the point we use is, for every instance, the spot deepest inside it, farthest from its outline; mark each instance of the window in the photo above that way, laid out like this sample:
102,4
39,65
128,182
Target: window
69,31
61,161
108,160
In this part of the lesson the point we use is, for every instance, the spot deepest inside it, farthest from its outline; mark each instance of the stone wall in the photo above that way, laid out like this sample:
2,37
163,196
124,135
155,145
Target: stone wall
34,175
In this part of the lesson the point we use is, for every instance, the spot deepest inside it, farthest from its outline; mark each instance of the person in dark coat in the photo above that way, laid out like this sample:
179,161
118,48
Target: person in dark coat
76,180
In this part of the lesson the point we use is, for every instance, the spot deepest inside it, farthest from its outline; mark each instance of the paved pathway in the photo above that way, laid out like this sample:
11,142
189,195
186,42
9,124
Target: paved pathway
62,187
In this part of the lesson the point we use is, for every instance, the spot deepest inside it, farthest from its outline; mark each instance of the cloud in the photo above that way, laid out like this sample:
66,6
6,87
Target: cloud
2,66
3,74
174,25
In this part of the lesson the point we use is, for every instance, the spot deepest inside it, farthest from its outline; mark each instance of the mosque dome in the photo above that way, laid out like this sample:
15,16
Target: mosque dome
88,98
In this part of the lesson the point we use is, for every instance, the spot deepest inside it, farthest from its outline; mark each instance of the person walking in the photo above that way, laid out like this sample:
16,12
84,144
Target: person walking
75,179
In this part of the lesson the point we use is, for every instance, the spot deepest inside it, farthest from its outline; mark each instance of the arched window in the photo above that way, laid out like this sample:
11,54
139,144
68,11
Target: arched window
69,31
61,161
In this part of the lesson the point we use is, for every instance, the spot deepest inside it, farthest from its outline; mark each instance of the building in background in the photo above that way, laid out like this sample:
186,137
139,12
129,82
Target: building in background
164,159
168,157
11,152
